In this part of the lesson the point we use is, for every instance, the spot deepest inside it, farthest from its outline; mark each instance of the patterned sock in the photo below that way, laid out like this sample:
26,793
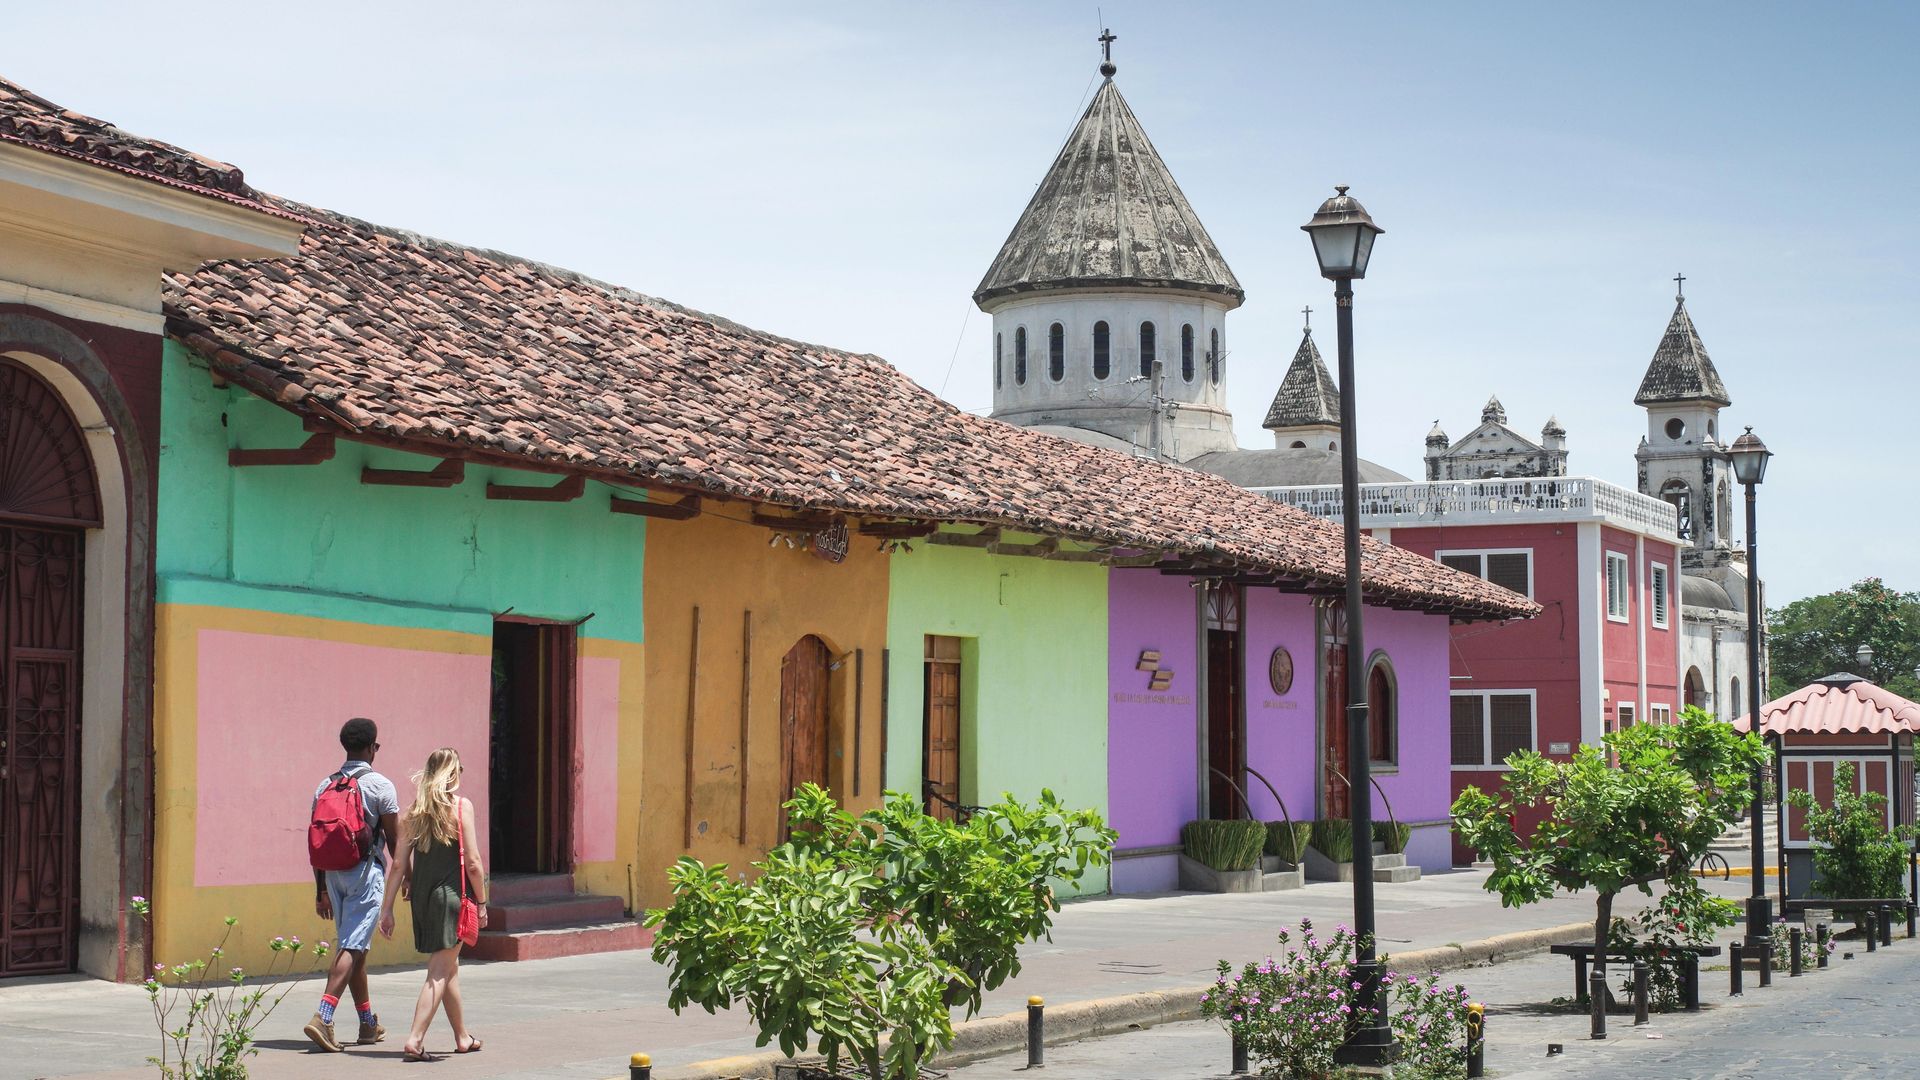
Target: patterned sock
327,1004
366,1011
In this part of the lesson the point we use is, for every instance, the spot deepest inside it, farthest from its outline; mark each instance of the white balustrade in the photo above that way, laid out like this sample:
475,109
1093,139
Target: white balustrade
1484,502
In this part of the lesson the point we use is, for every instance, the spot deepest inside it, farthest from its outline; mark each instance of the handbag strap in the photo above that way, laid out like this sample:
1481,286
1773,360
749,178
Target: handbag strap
460,845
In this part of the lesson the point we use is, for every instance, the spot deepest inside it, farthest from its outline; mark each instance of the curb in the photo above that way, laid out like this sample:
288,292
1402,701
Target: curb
974,1040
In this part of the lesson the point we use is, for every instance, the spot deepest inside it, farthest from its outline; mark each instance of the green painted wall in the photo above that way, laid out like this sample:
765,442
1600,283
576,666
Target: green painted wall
314,540
1033,691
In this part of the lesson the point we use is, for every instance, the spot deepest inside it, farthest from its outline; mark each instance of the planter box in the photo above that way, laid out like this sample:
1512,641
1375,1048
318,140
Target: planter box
1385,867
1200,877
806,1070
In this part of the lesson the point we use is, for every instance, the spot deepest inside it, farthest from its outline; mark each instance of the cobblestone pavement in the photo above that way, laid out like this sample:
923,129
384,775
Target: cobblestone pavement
1857,1018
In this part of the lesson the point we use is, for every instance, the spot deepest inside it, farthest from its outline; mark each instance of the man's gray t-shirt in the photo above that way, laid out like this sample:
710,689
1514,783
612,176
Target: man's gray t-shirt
376,794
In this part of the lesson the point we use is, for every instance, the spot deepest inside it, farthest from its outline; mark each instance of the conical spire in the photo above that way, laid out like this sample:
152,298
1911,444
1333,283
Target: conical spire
1307,395
1680,370
1108,214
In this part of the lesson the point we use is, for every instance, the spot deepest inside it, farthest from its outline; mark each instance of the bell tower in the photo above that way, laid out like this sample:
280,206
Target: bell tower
1681,458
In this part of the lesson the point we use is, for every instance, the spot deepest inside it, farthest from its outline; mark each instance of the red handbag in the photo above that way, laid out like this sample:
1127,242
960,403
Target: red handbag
468,928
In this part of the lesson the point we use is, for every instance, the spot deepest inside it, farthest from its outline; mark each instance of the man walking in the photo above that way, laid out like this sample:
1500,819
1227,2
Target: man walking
350,841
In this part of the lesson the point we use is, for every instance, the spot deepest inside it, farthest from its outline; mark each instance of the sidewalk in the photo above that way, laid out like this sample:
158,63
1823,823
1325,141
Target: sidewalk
580,1017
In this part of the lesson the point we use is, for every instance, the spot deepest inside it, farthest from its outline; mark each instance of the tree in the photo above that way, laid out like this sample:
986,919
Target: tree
1607,828
1817,636
1856,856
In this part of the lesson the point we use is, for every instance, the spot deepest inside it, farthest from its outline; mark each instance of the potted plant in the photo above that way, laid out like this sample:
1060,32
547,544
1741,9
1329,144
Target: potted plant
1222,856
858,936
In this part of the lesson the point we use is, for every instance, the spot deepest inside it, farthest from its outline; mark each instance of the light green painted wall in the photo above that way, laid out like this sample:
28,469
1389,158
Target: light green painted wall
1033,694
314,540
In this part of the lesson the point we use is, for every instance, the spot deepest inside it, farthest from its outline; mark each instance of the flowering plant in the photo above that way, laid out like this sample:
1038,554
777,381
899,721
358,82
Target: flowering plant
1783,945
1686,915
206,1018
1293,1012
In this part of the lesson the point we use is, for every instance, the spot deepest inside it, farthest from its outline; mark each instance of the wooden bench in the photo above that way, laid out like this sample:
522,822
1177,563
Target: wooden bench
1689,960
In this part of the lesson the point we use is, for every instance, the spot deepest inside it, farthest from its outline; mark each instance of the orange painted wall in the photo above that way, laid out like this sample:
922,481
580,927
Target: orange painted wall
724,566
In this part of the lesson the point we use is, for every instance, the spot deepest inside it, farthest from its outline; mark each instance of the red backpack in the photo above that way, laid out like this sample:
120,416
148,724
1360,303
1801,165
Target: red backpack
339,836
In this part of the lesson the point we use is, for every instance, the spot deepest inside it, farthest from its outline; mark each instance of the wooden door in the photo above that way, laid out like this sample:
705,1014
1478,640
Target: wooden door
530,776
940,728
1226,742
803,718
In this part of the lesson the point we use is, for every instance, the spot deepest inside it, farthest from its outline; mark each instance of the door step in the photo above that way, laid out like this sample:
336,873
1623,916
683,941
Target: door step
539,917
1396,873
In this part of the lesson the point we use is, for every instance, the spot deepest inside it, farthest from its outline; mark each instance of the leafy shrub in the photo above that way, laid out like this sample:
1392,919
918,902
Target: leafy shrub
1686,915
1393,834
1224,845
1783,946
1333,837
861,933
1855,857
213,1038
1292,1013
1288,844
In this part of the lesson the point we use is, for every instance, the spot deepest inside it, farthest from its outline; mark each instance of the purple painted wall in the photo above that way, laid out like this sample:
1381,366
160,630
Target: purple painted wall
1152,743
1280,727
1421,786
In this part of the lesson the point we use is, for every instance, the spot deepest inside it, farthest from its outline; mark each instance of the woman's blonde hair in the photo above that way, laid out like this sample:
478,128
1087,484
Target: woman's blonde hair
435,814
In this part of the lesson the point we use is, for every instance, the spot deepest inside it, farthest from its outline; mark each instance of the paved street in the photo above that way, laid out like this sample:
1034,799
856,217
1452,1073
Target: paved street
581,1017
1854,1019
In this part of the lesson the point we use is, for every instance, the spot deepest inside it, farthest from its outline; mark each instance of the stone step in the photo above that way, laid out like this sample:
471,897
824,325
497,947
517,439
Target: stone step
1280,880
509,889
1387,862
1396,873
560,941
556,911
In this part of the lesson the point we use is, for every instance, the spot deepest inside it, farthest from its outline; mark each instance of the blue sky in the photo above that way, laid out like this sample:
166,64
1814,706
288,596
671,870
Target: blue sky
843,173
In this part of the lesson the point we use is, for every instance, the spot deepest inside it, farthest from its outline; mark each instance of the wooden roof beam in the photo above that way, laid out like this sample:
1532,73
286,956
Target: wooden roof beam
317,448
984,538
449,472
899,530
687,507
798,523
567,490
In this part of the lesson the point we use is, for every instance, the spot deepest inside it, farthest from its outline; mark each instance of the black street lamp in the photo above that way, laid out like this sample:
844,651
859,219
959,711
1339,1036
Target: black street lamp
1750,467
1342,242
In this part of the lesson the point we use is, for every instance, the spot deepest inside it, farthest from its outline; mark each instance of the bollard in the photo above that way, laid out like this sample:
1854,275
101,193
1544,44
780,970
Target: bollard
1036,1033
639,1067
1795,936
1640,992
1597,1001
1733,969
1766,964
1821,934
1239,1055
1476,1041
1872,926
1885,918
1913,916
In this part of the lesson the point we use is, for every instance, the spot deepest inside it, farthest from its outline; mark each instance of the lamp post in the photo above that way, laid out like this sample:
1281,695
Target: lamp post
1863,658
1750,467
1343,237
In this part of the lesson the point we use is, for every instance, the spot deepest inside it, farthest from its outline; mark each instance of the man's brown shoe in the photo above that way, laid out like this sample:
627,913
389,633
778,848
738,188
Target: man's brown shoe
321,1033
370,1033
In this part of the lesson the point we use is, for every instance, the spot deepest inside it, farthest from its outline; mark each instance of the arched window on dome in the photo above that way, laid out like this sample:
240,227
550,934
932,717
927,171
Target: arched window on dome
1186,352
1102,351
1146,349
1215,362
1020,356
1056,352
996,360
1297,445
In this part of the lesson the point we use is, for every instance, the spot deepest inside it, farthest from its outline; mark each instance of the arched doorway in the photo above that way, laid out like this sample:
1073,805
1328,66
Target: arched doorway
48,498
804,674
1696,689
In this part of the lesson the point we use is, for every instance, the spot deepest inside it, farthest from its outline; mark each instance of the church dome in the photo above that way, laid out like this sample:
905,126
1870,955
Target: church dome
1297,467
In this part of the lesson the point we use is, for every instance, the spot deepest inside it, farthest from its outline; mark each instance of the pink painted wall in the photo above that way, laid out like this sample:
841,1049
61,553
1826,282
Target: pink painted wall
264,742
268,733
1663,646
1152,739
1281,728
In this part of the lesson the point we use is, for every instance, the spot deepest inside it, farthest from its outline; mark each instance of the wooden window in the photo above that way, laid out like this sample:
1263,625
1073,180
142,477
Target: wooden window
1617,585
1186,352
1056,352
1624,715
1511,568
1657,583
1383,713
1020,356
996,360
1491,725
1102,351
1660,714
1146,349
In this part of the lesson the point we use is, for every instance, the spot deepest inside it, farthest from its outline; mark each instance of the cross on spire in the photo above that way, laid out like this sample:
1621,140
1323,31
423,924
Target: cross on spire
1306,314
1679,286
1107,39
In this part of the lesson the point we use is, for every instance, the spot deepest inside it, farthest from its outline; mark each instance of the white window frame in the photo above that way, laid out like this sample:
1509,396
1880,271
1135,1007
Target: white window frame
1660,584
1625,563
1632,710
1486,724
1659,713
1482,553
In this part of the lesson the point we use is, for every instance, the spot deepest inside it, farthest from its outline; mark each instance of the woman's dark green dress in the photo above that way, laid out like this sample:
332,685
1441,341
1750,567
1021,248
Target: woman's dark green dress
436,896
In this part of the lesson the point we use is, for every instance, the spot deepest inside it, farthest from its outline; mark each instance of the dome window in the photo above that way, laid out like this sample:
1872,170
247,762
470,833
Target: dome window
1102,351
1056,352
1020,356
1186,352
1676,428
1215,362
997,338
1146,349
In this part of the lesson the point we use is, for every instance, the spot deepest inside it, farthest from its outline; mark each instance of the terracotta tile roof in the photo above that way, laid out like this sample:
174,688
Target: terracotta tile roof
1837,705
27,119
441,347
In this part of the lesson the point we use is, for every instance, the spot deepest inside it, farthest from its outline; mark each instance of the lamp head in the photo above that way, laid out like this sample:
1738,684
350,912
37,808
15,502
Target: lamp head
1749,458
1342,235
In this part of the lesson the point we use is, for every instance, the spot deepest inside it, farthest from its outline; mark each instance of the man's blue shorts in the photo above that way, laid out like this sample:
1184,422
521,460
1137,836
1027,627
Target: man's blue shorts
356,896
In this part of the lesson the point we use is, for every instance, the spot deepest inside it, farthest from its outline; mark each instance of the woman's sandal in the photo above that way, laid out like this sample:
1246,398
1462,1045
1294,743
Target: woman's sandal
474,1046
409,1054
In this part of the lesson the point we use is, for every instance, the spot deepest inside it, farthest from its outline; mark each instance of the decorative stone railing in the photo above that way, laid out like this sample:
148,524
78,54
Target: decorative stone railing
1488,502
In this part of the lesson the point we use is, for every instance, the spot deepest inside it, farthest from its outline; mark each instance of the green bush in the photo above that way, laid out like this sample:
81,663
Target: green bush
1394,834
1855,857
1288,844
1333,837
1224,845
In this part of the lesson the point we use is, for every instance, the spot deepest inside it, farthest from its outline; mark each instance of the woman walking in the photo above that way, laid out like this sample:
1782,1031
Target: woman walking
440,864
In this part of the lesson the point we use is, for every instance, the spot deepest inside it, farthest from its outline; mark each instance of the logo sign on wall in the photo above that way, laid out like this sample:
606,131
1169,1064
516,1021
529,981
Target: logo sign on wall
830,543
1158,678
1280,670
